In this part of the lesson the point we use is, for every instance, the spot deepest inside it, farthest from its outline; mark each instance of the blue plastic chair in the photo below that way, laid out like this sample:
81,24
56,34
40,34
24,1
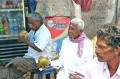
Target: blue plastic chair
46,72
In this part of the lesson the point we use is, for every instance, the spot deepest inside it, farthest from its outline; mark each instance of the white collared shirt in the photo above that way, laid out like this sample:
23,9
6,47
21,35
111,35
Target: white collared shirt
42,39
99,70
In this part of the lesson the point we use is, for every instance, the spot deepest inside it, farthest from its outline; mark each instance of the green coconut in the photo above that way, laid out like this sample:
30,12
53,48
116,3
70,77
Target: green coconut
23,33
43,62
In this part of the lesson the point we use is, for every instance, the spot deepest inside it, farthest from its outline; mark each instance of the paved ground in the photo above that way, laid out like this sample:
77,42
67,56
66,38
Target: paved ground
27,76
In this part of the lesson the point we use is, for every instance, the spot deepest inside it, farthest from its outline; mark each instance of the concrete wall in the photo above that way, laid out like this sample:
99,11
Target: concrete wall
100,13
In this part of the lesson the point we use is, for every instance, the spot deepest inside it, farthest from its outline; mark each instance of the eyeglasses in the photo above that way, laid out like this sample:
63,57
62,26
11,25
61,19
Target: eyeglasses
30,24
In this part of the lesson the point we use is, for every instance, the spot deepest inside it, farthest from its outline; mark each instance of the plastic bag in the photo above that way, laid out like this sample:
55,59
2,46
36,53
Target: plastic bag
85,5
77,10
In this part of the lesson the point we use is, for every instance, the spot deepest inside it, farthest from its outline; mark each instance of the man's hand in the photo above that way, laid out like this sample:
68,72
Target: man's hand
74,76
77,75
21,38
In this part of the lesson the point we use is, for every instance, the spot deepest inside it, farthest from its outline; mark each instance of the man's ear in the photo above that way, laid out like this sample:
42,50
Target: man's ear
118,53
118,50
80,32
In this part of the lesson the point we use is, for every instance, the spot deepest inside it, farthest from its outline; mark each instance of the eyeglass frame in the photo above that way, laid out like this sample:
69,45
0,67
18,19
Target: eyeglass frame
30,24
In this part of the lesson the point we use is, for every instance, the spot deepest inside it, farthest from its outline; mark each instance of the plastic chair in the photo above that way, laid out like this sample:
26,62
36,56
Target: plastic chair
46,72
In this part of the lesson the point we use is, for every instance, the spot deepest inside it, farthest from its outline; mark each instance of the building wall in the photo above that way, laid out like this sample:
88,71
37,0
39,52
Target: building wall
100,13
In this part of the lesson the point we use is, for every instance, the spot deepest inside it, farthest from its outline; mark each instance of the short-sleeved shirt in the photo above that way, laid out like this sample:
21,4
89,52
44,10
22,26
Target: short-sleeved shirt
42,39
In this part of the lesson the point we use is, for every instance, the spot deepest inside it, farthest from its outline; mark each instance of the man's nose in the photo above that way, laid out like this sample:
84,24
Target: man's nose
97,50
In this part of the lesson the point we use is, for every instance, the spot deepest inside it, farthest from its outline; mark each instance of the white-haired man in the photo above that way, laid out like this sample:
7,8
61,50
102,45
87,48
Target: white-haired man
76,50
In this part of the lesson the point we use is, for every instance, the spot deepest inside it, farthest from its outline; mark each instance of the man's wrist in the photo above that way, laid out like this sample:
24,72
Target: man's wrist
49,64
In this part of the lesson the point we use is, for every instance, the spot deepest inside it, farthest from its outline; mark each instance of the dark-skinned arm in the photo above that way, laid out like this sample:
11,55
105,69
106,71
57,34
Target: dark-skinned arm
22,38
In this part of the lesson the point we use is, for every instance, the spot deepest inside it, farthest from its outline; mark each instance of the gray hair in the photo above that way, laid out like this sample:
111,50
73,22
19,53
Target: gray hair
111,34
36,16
79,22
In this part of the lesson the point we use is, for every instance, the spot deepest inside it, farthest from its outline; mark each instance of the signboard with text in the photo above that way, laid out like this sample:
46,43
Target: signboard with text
58,26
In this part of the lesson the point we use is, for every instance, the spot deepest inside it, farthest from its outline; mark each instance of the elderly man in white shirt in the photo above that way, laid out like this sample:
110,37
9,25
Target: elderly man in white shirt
107,65
76,50
39,44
